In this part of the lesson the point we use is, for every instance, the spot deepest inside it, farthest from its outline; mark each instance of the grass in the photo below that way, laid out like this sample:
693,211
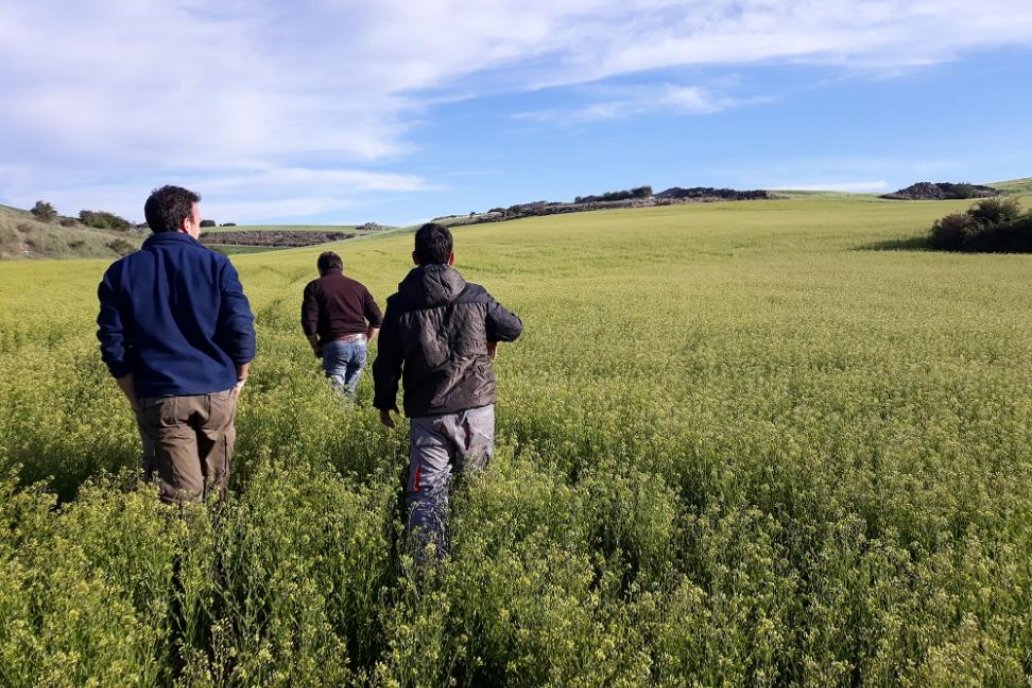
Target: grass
735,447
231,250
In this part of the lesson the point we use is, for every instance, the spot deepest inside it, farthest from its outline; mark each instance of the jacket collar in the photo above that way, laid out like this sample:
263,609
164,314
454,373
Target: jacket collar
170,238
432,285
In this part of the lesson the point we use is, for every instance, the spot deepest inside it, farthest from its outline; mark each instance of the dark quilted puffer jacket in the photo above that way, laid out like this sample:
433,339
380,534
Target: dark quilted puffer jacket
434,338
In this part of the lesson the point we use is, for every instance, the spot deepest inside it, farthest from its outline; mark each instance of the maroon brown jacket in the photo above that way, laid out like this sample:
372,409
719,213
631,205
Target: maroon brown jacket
335,305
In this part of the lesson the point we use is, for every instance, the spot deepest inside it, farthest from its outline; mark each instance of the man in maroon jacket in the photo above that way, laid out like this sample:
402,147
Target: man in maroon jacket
340,317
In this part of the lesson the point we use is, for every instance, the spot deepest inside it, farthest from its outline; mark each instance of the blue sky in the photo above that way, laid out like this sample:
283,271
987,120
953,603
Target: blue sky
323,111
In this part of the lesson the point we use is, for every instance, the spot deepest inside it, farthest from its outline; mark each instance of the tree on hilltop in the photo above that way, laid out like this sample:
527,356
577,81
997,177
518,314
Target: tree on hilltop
43,211
100,219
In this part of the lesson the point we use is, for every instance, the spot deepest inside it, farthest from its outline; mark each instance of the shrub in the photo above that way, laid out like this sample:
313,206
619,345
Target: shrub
1009,237
43,211
992,224
101,219
208,223
950,232
965,190
68,222
994,211
121,247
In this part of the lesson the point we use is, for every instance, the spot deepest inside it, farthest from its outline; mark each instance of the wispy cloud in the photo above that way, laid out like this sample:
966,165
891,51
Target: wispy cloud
848,187
120,90
642,100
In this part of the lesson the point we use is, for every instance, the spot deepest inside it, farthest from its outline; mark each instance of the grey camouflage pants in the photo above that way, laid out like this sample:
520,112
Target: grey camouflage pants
442,446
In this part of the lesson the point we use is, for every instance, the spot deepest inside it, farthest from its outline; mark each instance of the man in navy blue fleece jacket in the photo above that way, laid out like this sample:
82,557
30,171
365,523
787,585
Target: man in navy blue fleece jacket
177,334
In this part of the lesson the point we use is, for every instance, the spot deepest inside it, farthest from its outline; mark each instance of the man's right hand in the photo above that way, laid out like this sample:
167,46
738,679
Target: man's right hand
385,418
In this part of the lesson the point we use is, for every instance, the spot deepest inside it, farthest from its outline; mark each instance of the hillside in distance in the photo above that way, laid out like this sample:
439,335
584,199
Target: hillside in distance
23,236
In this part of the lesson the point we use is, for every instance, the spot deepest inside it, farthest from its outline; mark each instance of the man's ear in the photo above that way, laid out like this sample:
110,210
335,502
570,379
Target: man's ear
451,258
415,258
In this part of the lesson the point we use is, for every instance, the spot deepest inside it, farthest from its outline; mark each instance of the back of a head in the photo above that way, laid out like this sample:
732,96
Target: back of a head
167,207
433,244
329,260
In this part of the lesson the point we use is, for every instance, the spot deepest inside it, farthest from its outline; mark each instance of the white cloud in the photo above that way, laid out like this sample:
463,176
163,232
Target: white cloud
847,187
640,100
119,89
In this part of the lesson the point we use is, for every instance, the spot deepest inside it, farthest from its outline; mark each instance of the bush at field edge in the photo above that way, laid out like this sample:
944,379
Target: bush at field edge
993,225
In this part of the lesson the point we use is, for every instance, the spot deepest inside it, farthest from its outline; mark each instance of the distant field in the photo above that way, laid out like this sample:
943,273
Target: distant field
232,250
1016,187
237,249
283,228
739,444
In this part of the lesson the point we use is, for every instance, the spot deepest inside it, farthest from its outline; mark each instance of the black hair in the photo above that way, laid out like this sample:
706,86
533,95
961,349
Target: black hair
329,261
167,207
433,244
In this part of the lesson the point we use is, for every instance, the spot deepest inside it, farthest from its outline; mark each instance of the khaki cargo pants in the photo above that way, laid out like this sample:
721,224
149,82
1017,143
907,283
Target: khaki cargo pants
188,444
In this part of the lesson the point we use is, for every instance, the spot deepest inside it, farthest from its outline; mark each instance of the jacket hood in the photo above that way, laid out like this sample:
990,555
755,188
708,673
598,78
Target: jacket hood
432,285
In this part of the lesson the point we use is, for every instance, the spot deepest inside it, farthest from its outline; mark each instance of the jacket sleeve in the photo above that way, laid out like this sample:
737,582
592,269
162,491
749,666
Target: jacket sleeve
371,311
309,311
388,364
235,331
502,326
111,330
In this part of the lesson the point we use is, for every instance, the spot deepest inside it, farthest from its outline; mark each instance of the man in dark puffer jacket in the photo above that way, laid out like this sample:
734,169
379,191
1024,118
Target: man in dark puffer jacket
439,336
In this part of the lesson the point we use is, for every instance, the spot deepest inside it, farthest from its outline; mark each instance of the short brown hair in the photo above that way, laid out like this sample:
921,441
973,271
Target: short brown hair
329,261
167,207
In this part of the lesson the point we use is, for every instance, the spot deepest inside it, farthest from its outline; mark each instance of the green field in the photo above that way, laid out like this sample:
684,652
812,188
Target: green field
232,250
740,444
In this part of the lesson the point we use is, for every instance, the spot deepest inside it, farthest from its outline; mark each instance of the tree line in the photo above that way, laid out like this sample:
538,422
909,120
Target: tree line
97,219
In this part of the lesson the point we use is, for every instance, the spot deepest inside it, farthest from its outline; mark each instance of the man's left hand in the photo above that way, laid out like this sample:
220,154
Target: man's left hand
243,371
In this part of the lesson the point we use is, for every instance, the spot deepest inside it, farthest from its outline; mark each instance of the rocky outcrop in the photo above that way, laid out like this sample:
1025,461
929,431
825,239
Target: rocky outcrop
708,193
634,198
942,191
272,239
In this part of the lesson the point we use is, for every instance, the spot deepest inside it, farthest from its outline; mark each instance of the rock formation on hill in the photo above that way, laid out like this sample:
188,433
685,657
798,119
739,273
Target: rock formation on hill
640,197
942,191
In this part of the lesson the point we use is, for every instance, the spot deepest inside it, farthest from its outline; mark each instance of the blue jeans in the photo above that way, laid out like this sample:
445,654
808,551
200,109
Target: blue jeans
343,362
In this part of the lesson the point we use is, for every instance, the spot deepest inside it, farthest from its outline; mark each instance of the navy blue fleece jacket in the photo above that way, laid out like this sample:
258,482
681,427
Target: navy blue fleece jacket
175,316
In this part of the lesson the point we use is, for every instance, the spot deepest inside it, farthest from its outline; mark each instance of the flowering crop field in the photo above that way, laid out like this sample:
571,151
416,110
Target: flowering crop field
739,444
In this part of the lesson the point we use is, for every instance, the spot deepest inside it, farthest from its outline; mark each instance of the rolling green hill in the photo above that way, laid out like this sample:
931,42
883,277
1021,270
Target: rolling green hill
1015,187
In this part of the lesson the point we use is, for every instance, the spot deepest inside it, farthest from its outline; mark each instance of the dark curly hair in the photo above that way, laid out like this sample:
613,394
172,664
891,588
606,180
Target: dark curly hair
433,244
329,261
167,207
